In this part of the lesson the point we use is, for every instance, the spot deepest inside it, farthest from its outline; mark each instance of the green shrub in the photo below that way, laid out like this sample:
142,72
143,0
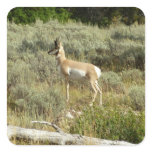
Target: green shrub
34,46
134,75
19,91
27,15
110,123
112,82
100,16
134,57
137,97
19,72
46,101
134,33
44,67
57,100
119,56
35,102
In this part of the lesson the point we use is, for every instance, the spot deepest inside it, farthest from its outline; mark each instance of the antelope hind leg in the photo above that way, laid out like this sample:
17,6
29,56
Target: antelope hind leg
100,92
95,93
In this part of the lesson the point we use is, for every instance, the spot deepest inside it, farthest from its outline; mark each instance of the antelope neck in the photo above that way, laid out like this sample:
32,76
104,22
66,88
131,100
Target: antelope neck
60,58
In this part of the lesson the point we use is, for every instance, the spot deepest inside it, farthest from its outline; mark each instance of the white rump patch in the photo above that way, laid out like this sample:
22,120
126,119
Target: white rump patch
98,71
76,73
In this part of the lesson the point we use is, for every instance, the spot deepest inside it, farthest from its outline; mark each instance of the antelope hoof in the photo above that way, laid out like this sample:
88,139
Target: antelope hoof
91,104
100,104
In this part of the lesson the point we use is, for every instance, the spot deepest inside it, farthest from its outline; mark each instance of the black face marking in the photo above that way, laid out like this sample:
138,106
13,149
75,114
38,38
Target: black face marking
55,51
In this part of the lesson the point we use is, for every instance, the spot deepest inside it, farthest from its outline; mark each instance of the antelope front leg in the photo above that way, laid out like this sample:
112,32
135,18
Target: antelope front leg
67,89
95,93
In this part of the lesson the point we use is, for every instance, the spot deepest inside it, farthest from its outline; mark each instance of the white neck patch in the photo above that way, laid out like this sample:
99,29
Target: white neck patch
59,55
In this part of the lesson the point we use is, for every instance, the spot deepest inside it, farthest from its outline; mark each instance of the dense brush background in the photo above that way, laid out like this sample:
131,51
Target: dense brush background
37,92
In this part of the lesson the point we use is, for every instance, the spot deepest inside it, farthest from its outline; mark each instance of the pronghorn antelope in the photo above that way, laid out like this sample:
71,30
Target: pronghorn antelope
76,70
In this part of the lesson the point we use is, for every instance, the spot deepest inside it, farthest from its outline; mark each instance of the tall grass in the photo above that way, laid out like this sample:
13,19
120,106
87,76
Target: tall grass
36,91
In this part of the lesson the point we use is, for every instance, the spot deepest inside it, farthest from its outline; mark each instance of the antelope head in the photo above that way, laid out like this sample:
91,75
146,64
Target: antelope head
56,50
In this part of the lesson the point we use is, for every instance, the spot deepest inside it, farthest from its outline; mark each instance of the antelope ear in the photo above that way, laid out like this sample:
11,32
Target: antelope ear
60,44
55,42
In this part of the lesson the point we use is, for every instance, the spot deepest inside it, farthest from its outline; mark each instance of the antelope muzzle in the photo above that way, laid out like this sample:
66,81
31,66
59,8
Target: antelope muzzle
53,52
